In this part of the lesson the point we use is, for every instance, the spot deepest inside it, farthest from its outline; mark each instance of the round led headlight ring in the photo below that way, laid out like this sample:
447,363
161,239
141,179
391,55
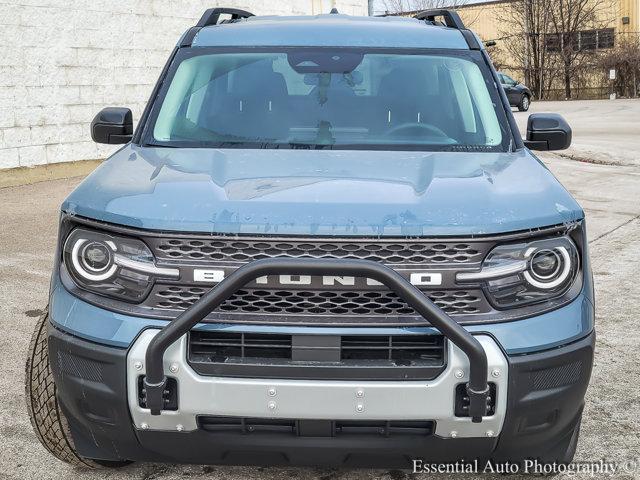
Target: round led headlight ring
548,268
93,260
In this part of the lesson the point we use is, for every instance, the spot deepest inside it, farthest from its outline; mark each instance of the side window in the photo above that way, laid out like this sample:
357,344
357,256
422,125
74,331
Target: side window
509,81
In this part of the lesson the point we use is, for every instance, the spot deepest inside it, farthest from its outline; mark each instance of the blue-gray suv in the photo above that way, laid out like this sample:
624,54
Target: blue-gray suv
325,243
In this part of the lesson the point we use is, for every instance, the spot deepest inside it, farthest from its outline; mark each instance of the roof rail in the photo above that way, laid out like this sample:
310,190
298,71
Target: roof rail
212,15
450,17
451,20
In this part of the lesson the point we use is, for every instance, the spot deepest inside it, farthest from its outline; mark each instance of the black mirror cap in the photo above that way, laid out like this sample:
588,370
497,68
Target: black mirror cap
548,131
112,125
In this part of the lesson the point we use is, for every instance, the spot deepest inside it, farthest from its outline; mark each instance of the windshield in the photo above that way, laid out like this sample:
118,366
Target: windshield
330,98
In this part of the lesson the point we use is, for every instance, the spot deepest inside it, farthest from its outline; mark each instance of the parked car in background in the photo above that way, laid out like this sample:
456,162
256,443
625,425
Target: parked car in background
518,94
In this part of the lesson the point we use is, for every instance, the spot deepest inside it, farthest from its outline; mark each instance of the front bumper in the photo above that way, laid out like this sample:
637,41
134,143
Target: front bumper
432,400
539,403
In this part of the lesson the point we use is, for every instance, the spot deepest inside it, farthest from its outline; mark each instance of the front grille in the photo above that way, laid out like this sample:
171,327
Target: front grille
220,347
319,357
315,428
305,302
389,252
402,350
272,301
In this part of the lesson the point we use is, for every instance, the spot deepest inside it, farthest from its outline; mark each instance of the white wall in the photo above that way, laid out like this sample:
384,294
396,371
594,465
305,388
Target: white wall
61,61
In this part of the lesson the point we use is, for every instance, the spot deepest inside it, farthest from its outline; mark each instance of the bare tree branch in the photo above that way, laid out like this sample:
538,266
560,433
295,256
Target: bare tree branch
568,18
405,6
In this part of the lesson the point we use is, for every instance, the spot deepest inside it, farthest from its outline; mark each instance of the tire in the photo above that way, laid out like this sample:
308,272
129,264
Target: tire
47,419
525,103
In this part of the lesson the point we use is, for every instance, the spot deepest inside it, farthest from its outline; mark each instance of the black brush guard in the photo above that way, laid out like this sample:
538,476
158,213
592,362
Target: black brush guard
155,381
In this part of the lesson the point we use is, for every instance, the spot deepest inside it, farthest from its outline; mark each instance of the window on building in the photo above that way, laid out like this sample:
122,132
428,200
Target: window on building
552,42
606,38
571,40
589,40
581,41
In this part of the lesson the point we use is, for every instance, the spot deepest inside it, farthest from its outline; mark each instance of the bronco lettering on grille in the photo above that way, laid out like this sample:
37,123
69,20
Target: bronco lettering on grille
416,278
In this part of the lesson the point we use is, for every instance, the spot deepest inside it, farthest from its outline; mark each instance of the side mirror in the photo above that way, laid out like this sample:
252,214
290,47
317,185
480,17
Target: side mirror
112,125
547,131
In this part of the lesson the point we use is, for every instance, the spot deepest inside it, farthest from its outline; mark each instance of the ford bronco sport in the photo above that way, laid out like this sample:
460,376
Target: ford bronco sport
325,243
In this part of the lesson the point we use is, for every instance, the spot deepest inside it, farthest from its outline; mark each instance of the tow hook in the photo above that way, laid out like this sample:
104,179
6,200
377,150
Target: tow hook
477,403
155,395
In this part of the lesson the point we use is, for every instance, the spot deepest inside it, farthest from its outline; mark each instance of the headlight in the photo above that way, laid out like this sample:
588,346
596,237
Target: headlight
110,265
525,273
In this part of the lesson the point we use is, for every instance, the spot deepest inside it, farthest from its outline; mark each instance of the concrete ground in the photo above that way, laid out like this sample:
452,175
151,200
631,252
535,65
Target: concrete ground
610,195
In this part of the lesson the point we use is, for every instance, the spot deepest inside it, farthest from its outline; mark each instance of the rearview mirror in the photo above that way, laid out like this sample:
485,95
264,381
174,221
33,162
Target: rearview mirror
547,131
112,125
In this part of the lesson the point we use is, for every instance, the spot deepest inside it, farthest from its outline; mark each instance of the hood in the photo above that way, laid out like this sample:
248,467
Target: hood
323,192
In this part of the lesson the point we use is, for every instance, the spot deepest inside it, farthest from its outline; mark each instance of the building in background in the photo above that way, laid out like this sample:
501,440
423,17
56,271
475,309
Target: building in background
542,50
561,49
64,61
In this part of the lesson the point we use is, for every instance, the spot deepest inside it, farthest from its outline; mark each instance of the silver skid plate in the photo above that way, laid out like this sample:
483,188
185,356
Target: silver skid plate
321,400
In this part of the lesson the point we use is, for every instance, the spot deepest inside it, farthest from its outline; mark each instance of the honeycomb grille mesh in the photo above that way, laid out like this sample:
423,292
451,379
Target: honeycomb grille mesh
229,250
79,367
302,302
557,376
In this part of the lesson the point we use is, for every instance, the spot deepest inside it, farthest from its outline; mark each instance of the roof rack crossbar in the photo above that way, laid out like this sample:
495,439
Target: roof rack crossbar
450,17
212,15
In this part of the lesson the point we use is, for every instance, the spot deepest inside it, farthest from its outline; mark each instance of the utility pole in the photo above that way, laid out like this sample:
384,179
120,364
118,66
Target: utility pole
370,6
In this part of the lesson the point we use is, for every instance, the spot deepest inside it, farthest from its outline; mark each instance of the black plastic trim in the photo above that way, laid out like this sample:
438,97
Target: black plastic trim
513,126
98,416
212,15
542,418
492,237
137,135
189,35
319,357
311,371
451,17
471,39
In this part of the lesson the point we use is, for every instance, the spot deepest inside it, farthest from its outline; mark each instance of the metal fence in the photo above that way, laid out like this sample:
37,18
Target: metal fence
588,93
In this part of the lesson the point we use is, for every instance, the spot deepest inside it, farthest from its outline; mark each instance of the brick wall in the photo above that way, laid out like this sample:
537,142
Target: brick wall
62,61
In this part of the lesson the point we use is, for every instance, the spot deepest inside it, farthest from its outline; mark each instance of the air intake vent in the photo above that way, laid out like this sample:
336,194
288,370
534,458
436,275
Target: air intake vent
224,347
330,357
402,350
301,427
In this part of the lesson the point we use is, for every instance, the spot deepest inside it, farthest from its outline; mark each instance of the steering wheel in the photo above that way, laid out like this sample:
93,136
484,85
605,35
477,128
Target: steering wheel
414,128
